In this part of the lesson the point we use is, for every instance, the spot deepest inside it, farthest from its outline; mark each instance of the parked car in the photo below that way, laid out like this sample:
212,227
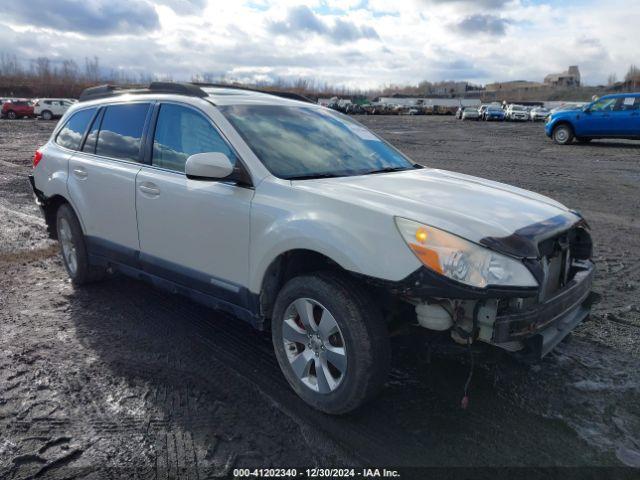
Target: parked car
611,116
481,110
14,109
49,108
297,218
516,113
470,114
493,112
538,113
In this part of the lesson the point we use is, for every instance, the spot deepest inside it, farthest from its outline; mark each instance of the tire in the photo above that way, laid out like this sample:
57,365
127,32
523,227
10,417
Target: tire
73,248
355,354
562,134
47,115
11,115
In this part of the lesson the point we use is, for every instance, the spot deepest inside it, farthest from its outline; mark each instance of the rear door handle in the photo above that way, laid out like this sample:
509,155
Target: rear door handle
80,172
149,189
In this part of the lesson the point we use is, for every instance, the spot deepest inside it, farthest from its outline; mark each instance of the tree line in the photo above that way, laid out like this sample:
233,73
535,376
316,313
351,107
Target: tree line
43,77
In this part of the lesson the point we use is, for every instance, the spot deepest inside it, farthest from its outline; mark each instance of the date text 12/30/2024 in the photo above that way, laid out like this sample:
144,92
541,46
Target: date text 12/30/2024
315,473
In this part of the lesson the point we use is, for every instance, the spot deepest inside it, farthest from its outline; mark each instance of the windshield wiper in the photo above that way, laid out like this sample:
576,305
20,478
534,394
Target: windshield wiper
389,169
311,176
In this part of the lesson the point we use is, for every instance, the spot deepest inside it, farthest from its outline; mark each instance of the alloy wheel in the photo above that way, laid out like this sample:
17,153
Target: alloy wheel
68,246
314,345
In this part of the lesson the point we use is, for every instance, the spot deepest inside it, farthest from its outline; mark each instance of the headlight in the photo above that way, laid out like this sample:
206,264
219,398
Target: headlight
461,260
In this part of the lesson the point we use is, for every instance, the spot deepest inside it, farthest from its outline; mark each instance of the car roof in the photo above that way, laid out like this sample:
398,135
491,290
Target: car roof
620,95
239,96
217,95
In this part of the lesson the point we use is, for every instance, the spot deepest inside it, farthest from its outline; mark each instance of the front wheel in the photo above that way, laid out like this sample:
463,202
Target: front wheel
330,341
47,115
12,115
562,134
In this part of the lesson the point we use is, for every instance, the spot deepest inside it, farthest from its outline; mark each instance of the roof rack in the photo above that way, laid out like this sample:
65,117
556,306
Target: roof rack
105,91
289,95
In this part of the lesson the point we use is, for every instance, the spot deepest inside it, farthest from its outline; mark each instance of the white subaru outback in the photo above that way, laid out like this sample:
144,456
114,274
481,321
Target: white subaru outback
296,218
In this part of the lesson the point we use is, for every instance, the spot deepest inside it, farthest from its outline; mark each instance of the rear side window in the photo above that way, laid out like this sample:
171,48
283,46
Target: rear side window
121,131
182,132
71,134
627,103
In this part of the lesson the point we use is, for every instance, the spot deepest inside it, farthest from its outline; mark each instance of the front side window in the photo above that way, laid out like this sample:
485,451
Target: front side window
71,134
121,131
604,104
182,132
306,142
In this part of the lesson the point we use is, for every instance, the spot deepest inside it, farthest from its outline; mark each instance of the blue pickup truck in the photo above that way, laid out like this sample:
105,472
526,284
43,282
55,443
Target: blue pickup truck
611,116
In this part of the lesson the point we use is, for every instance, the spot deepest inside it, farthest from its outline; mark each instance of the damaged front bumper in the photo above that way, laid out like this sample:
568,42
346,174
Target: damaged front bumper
520,320
540,327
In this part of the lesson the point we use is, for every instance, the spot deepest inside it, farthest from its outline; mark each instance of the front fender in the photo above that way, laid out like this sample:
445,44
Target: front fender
359,240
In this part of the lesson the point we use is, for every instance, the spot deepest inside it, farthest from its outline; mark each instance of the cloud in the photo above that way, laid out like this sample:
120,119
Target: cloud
259,40
300,20
95,17
480,4
481,23
184,7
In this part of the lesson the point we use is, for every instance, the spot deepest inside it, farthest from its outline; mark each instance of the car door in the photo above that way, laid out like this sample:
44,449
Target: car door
193,232
102,179
635,118
598,121
625,116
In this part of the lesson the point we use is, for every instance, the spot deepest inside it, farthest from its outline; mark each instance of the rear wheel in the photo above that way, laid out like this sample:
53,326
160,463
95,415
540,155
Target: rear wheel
73,248
330,341
11,115
563,134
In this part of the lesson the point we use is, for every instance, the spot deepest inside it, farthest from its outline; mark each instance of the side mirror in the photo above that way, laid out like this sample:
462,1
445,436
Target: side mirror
208,166
586,109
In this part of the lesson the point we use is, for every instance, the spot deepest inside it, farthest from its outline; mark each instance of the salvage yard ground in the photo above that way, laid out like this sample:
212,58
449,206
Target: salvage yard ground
119,377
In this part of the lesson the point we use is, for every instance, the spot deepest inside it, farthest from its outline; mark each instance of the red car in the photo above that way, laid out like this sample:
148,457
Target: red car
17,109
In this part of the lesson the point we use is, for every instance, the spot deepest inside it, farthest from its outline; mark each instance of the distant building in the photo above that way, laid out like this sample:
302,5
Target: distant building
570,78
512,85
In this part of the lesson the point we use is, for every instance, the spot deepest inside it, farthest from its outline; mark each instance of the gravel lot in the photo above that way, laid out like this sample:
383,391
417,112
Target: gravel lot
119,378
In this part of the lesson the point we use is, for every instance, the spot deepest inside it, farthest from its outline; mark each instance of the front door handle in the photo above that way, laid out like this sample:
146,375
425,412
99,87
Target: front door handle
150,189
80,172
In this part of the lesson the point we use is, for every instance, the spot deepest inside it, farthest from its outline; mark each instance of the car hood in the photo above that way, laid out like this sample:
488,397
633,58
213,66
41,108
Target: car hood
502,217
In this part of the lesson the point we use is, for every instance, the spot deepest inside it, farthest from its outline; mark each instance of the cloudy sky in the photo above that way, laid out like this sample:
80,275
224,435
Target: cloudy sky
355,43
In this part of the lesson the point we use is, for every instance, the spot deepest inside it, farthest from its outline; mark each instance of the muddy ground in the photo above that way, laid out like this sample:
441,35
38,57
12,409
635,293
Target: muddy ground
119,379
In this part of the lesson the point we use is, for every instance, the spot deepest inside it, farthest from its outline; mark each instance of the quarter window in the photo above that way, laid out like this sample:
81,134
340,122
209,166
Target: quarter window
71,134
121,131
182,132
